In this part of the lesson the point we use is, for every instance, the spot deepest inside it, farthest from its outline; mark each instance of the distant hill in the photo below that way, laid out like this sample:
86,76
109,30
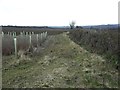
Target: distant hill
101,27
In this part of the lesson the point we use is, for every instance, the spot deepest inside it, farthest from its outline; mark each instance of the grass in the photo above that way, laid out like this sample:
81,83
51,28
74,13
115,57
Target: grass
62,63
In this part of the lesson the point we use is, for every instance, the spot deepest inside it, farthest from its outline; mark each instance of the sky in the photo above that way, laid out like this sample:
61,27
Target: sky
58,12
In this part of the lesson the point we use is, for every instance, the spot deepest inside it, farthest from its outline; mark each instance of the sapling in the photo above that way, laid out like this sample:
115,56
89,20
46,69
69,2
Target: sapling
10,34
30,40
41,36
30,33
33,33
21,33
13,34
26,33
15,45
37,39
46,34
2,34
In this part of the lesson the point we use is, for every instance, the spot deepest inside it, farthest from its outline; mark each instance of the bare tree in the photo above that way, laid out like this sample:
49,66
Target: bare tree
72,24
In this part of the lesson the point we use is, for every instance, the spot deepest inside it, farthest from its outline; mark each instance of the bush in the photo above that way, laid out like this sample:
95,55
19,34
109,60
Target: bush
103,42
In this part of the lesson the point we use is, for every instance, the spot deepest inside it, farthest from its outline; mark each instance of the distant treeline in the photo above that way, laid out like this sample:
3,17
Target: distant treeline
27,26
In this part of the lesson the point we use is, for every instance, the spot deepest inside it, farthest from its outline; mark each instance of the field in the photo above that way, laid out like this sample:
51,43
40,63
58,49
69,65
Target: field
65,58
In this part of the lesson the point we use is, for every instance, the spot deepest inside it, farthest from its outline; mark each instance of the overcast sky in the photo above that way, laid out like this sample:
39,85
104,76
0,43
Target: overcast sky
58,12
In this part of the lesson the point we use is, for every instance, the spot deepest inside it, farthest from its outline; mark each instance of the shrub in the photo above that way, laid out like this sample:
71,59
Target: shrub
103,42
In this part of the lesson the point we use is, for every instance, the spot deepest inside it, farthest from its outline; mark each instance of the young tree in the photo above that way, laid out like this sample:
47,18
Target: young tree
72,24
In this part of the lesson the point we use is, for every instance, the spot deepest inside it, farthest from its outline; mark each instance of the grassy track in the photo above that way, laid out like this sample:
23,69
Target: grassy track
61,63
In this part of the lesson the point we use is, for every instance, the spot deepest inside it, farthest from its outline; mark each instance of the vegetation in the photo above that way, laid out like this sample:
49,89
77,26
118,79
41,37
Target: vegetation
23,42
36,30
72,59
60,63
102,42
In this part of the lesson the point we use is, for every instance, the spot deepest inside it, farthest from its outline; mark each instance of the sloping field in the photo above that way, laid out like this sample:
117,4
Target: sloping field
59,63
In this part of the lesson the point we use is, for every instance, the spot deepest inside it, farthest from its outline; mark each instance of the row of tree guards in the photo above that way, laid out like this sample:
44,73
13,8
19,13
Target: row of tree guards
15,33
42,35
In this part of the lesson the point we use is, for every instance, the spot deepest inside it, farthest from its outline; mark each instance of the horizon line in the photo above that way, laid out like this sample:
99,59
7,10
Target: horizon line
57,26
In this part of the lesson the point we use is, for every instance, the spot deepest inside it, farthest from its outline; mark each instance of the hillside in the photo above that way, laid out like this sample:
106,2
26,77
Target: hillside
60,63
